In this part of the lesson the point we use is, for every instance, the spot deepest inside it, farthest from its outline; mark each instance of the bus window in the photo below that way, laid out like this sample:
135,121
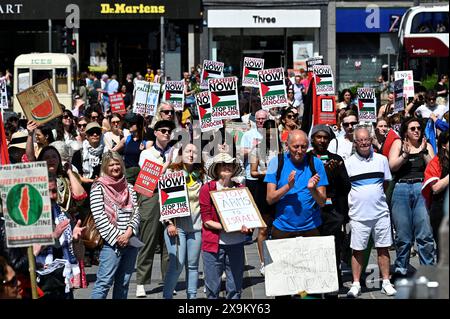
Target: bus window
40,75
23,79
61,80
430,22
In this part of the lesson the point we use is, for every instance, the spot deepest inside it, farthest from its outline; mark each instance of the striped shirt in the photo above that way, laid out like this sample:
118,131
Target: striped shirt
125,219
367,200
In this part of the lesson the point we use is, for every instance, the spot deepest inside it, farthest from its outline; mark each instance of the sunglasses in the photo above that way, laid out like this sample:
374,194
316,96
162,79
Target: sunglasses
165,131
115,122
167,112
96,132
82,125
66,117
94,117
292,116
414,128
10,283
349,123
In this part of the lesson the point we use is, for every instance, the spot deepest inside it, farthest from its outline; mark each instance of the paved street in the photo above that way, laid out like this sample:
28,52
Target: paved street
253,281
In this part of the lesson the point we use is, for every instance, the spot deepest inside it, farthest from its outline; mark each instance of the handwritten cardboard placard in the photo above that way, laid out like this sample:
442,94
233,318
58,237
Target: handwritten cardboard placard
250,71
367,103
117,103
301,264
26,204
236,208
39,102
146,96
272,88
408,84
174,94
173,197
207,123
148,178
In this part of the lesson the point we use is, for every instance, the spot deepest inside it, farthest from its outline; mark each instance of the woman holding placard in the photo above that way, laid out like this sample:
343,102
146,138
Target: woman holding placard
221,250
182,235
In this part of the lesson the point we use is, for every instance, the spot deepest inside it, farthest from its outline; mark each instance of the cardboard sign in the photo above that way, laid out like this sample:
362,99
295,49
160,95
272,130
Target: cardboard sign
26,204
39,102
236,208
399,101
224,98
146,96
408,84
174,94
301,264
325,110
211,70
148,178
3,95
367,105
324,79
207,123
311,62
117,103
250,71
173,197
272,88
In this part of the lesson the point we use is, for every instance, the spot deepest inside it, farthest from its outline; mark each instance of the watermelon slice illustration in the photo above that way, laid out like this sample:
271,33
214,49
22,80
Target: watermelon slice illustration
43,110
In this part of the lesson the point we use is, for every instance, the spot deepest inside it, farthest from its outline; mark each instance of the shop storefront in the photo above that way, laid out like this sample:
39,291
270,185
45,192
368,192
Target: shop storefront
114,36
283,33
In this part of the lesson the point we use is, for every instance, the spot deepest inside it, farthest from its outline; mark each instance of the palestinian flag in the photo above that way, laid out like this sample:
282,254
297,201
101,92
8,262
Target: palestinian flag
172,195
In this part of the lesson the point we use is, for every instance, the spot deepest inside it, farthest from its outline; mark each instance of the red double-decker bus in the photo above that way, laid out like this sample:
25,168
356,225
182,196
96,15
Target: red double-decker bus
423,40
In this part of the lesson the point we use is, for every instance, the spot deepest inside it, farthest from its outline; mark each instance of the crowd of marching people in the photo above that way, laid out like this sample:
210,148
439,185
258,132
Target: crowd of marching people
369,185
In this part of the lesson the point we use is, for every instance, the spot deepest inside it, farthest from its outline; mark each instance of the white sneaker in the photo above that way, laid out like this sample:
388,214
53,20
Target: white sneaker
388,289
262,270
224,276
355,291
140,291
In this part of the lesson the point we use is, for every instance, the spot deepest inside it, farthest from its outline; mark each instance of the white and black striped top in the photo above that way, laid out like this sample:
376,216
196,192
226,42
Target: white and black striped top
108,231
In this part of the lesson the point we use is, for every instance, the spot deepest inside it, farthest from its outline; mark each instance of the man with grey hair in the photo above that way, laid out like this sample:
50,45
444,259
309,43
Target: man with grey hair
369,175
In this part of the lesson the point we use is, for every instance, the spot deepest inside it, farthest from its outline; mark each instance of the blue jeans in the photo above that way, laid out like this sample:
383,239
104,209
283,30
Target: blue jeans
411,222
231,259
189,244
115,266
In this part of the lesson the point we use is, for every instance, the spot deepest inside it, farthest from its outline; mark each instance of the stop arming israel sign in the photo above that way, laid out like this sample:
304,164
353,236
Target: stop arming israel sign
224,98
367,104
250,71
175,94
211,70
146,96
324,79
408,84
207,123
272,88
26,204
173,199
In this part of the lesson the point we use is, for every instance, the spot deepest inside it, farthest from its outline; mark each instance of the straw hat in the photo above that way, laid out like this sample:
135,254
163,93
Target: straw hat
223,158
19,139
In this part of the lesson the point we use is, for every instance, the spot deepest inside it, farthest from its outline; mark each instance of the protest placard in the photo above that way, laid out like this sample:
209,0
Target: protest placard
324,79
236,208
224,98
236,131
272,88
250,71
301,264
117,103
211,70
146,96
408,84
367,103
3,95
325,110
26,204
204,109
174,94
311,62
302,51
148,178
173,198
39,102
399,101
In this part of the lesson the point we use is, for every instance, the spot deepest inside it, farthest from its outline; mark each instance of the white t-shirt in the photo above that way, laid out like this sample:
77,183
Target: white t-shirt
424,111
249,140
367,200
344,147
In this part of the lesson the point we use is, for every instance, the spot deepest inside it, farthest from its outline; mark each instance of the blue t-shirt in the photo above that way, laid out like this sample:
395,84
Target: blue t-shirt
296,210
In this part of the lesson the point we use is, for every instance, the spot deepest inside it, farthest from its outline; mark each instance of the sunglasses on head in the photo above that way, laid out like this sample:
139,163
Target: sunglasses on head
349,123
165,130
11,283
82,125
414,128
167,112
